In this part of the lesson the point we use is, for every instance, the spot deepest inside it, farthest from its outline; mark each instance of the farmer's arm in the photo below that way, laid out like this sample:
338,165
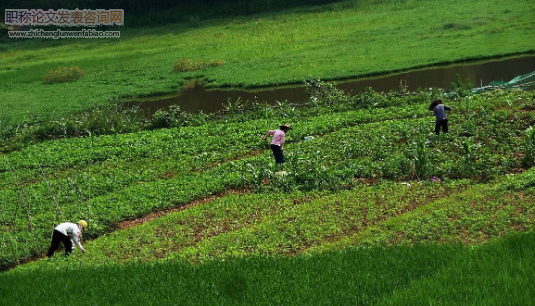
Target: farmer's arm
447,108
271,132
76,239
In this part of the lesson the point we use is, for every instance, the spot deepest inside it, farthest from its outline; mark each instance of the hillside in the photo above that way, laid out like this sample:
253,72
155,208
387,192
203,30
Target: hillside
370,208
337,41
363,181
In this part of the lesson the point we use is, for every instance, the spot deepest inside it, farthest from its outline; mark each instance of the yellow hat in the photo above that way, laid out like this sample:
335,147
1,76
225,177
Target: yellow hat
83,223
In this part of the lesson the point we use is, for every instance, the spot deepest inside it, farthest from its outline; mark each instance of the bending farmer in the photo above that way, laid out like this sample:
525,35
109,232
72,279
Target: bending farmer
277,141
67,233
440,113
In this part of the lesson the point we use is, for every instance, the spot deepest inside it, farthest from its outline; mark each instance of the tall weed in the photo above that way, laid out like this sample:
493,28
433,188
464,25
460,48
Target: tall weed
420,157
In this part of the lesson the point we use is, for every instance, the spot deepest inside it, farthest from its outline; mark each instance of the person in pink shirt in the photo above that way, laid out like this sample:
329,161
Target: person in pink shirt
277,141
69,234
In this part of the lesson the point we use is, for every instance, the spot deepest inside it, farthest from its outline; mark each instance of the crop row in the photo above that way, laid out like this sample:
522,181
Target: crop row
349,146
471,216
383,214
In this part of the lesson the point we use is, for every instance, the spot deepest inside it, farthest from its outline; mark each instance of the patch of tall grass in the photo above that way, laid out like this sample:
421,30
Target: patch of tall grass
187,64
63,75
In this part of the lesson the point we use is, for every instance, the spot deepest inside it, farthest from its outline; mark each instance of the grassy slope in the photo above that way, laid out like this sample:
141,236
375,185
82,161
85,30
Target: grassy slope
349,39
398,276
241,226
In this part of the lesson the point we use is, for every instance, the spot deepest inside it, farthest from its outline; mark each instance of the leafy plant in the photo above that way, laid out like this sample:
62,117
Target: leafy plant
322,93
467,153
420,158
174,117
461,88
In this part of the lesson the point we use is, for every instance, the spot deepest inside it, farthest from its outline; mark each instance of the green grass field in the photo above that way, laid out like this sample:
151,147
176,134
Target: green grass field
347,39
498,273
374,210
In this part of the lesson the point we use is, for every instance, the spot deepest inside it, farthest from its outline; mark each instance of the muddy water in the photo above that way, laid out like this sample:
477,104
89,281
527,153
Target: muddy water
479,73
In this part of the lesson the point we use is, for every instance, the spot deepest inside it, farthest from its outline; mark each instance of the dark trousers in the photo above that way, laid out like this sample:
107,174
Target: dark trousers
277,152
443,124
58,237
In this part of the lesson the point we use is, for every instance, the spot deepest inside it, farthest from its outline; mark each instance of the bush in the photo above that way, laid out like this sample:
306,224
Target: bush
174,117
322,93
461,88
63,75
6,124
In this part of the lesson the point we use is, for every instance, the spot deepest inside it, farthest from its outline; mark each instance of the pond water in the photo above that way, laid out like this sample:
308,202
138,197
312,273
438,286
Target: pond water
479,73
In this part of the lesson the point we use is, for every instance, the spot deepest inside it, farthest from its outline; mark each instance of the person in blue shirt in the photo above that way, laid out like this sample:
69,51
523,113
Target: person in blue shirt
440,114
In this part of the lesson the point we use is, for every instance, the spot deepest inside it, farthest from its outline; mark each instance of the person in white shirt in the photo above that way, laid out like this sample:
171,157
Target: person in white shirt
69,234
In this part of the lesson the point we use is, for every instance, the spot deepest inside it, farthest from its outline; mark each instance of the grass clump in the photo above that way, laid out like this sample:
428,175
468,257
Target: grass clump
188,65
63,75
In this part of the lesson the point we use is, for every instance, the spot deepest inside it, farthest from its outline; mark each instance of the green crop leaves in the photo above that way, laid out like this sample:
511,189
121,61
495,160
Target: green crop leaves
421,162
110,178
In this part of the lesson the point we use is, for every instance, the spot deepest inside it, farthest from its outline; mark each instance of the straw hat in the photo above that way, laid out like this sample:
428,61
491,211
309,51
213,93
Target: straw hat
285,126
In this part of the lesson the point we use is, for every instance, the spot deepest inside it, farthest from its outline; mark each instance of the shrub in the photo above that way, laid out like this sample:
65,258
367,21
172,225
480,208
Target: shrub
3,29
6,124
461,88
104,119
174,117
63,75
